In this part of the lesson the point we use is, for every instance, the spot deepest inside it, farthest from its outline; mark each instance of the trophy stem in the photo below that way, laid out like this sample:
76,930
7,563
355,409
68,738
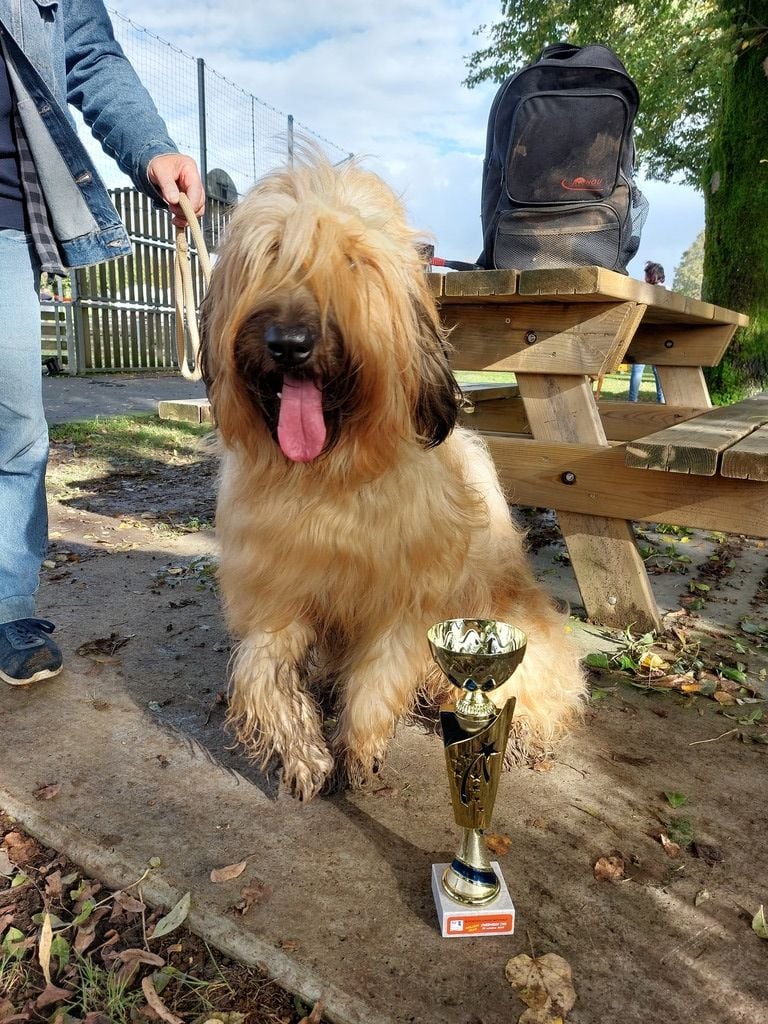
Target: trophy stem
470,879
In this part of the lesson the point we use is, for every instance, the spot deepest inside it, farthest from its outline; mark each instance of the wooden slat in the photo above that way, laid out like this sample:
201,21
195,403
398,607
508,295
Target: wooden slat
500,283
532,472
600,283
485,391
727,315
685,385
678,345
696,447
610,573
622,421
748,460
569,338
595,283
435,284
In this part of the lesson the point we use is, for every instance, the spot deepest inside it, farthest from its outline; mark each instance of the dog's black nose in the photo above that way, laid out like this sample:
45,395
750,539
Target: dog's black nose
289,346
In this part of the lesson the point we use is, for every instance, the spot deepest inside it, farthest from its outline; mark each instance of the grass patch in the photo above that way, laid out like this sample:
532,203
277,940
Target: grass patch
133,438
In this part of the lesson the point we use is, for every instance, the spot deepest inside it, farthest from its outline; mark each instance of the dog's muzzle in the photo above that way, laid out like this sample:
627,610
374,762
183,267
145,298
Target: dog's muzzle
301,430
290,346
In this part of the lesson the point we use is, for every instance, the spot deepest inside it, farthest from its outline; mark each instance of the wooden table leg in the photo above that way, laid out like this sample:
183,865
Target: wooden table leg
609,570
684,385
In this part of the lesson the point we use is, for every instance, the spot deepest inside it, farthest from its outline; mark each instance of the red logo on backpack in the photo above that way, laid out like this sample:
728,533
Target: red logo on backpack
582,184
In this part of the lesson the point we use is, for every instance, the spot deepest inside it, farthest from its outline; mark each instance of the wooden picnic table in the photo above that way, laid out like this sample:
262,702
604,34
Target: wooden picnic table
601,464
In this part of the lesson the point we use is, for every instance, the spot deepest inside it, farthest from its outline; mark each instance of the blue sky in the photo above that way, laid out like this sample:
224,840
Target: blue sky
384,80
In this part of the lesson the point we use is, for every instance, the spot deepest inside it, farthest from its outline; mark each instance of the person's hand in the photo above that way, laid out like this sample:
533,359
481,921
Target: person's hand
172,173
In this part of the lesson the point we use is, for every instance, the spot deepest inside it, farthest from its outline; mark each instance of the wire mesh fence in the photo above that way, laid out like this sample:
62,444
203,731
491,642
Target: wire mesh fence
225,128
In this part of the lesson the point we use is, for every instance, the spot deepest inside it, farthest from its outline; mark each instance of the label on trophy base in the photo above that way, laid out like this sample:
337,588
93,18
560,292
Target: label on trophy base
457,920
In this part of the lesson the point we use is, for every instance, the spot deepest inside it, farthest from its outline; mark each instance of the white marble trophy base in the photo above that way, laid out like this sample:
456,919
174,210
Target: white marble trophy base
460,921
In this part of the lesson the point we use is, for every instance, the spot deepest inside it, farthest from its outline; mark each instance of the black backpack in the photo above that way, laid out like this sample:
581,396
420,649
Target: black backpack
558,178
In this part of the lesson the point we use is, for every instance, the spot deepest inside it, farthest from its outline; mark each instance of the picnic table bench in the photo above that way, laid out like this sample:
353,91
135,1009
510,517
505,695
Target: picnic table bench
601,464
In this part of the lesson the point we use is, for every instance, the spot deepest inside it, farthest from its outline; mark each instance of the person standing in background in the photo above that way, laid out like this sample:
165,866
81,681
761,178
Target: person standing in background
654,274
55,214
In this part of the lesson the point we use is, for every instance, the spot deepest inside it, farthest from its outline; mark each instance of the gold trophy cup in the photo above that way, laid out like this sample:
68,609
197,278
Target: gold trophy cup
477,655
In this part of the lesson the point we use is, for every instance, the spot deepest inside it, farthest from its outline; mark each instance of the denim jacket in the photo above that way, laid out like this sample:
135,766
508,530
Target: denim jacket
64,51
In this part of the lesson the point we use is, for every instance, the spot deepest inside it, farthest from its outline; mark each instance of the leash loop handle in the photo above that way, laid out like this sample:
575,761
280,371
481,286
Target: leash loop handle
187,331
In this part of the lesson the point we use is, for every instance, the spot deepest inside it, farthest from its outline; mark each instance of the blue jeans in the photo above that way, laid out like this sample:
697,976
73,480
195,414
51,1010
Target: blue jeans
23,430
636,376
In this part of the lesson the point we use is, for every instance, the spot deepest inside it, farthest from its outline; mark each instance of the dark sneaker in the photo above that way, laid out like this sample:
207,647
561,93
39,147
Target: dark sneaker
27,652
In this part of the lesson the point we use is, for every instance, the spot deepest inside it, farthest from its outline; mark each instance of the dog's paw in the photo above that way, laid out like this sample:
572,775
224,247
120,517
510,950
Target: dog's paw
336,781
354,771
524,749
305,774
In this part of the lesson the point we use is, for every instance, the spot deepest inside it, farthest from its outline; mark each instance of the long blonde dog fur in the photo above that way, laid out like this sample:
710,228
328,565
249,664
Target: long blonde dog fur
351,514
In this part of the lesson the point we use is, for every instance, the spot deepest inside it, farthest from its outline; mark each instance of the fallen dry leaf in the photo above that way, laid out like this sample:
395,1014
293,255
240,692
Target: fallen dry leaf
538,822
231,1017
288,945
498,843
157,1003
543,983
47,792
175,917
725,699
6,867
7,1009
103,648
129,904
609,869
53,886
635,762
44,947
226,874
131,959
711,855
543,1016
316,1015
543,766
84,937
21,849
250,894
671,849
52,994
140,956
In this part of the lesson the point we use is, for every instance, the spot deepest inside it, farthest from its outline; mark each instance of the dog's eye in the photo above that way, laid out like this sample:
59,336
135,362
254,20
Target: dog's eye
353,265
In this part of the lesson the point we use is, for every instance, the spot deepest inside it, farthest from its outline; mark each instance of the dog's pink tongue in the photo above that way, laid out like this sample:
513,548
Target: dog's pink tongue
301,427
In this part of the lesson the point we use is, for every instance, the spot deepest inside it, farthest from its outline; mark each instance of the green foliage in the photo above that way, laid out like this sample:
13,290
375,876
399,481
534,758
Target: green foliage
701,67
736,197
690,269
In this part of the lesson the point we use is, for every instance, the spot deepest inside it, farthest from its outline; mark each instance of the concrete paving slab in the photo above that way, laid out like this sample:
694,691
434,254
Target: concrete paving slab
79,398
142,759
146,770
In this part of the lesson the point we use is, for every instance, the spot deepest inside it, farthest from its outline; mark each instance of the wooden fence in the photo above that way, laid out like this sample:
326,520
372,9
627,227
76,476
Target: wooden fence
121,316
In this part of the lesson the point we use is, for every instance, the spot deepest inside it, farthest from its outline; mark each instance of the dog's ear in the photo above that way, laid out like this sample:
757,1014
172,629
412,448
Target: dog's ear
205,354
439,399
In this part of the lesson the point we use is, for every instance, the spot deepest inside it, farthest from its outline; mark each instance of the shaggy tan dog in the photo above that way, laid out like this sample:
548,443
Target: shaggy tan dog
351,514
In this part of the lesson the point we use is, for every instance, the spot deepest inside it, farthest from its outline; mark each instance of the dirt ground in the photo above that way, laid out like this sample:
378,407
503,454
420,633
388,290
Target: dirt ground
638,854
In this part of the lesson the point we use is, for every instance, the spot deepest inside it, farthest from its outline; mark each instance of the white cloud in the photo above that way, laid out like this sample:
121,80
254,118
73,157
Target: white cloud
383,80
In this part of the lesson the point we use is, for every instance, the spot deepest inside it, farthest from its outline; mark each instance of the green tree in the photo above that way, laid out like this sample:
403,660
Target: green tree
690,269
702,70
